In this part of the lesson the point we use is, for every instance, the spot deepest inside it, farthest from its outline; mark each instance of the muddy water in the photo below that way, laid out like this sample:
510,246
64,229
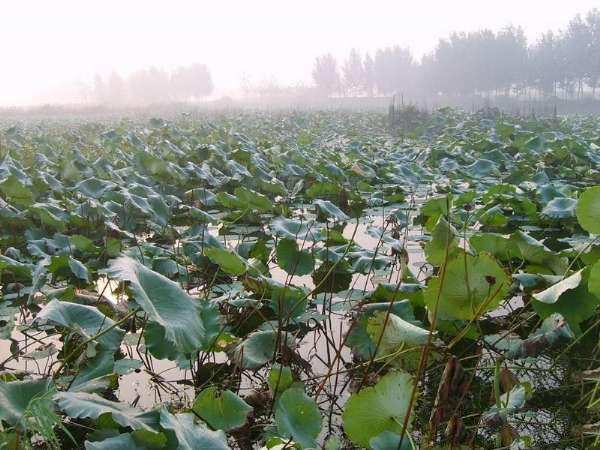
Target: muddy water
143,388
315,347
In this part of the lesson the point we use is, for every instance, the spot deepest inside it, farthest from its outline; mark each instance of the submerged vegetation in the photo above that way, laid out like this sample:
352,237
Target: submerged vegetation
300,280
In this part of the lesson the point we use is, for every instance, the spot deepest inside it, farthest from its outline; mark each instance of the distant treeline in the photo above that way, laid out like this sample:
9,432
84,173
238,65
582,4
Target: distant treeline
154,85
563,64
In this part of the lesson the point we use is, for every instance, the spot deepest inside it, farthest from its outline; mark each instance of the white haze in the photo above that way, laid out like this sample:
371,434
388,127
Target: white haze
48,48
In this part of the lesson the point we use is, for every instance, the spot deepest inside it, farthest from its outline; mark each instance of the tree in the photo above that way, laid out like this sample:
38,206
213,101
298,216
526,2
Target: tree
354,73
116,89
576,47
510,58
192,81
593,66
545,64
394,70
150,85
99,89
369,75
325,74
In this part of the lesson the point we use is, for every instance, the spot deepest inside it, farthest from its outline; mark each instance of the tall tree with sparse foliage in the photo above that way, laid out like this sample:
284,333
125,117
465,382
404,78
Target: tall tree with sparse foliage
354,73
325,74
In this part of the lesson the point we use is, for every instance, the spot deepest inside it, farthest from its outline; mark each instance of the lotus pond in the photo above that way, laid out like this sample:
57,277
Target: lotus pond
300,280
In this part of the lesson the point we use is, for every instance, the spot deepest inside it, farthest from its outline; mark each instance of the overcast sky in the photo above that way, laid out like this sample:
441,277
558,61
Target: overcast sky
46,43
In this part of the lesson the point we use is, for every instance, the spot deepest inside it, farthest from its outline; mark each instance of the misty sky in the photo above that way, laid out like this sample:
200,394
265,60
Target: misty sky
46,44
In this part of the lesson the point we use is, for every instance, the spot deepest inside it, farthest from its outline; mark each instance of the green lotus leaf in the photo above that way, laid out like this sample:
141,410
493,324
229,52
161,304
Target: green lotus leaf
259,348
472,285
443,244
379,408
16,398
123,441
81,405
229,261
570,298
189,435
87,321
293,260
553,293
165,303
94,187
588,210
395,331
297,416
222,410
560,208
329,210
535,252
280,378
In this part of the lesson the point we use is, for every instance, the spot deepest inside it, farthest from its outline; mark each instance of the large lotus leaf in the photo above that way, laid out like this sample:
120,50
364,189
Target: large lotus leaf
536,252
94,187
293,260
288,301
443,244
295,228
165,303
389,440
297,416
328,209
95,374
222,410
280,378
588,210
157,345
387,292
379,408
471,286
560,208
550,191
16,398
20,271
153,206
17,190
594,282
252,199
199,216
332,277
498,245
49,215
323,190
229,261
397,332
65,266
493,217
366,261
259,348
570,298
190,435
553,293
434,208
88,321
204,196
535,281
123,441
81,405
482,168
